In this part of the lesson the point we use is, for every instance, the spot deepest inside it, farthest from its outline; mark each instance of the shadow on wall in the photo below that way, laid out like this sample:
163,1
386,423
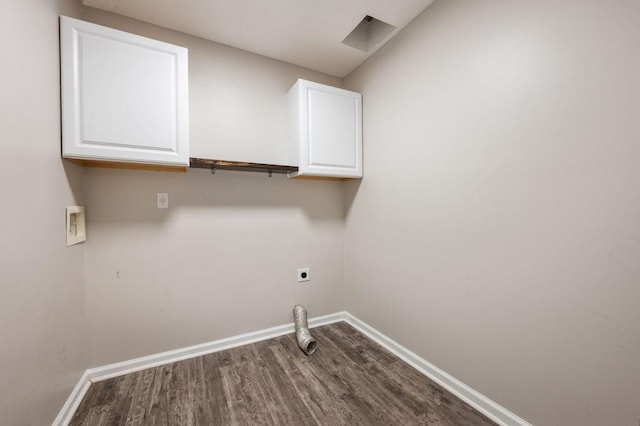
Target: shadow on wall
74,175
130,195
351,189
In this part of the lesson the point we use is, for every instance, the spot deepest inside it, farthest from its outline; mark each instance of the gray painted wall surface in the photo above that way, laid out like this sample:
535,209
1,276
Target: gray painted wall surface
497,230
42,328
497,222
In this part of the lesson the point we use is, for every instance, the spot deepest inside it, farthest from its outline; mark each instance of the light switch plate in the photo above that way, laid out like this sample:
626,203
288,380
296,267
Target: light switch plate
76,228
162,200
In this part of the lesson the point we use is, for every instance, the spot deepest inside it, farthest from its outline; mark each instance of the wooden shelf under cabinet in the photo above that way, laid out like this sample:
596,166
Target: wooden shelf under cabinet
203,163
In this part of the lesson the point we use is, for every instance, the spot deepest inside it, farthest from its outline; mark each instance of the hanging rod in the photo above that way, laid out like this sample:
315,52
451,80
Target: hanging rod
241,166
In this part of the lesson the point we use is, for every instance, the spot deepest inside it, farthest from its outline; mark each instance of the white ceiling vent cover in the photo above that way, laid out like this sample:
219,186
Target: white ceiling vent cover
368,34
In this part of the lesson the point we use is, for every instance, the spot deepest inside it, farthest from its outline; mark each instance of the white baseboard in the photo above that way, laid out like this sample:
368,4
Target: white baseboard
125,367
73,402
489,408
475,399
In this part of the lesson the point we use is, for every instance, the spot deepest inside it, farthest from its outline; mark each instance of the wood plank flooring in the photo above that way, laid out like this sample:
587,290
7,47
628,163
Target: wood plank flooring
349,380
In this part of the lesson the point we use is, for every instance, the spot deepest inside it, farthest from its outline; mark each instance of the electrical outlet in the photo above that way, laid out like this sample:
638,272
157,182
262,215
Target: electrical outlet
303,275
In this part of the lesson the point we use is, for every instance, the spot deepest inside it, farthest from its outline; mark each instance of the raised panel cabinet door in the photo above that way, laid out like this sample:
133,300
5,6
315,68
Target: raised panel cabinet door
124,97
328,130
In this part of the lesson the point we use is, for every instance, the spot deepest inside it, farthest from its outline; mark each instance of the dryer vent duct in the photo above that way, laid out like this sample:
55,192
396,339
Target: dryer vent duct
305,340
368,34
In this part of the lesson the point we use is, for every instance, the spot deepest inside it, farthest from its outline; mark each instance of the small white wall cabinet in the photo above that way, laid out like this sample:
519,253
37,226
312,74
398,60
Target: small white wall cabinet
326,131
124,97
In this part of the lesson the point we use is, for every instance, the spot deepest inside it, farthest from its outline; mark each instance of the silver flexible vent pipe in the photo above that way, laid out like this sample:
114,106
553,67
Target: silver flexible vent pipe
305,340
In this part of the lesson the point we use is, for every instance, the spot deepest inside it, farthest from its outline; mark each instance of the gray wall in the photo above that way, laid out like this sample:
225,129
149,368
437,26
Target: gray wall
222,259
219,262
44,346
238,105
496,232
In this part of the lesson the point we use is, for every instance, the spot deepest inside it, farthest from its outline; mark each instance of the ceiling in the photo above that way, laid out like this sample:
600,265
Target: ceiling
307,33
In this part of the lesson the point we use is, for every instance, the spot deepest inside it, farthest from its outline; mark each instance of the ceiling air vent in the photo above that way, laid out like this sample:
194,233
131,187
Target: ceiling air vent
368,34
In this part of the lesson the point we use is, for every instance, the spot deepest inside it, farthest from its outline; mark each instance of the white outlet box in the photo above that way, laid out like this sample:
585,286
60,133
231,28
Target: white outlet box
76,228
303,275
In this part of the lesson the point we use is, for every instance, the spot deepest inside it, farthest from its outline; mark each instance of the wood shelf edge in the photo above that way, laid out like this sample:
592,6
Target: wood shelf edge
206,163
130,166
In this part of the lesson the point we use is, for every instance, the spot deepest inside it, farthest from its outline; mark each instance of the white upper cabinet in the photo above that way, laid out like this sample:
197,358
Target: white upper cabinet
326,131
125,98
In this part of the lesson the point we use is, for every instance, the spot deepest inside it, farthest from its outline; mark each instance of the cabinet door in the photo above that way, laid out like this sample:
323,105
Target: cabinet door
329,130
124,97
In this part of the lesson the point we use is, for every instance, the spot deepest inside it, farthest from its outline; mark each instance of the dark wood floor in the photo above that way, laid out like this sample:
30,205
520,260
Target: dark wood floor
349,380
